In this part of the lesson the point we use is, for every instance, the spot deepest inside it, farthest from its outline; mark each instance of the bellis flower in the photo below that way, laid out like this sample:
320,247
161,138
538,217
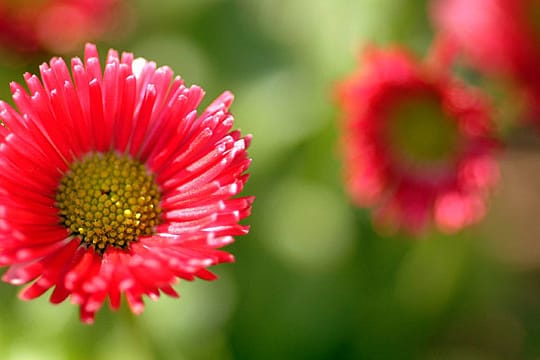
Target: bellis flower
113,184
500,37
418,146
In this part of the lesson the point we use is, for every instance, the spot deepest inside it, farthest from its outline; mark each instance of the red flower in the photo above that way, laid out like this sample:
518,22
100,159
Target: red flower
417,145
112,183
55,25
499,36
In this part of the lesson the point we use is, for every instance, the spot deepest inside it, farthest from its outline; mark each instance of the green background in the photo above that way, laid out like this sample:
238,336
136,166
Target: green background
313,279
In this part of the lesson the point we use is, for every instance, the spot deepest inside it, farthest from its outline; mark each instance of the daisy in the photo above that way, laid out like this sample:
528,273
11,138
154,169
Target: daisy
418,145
112,183
500,37
55,25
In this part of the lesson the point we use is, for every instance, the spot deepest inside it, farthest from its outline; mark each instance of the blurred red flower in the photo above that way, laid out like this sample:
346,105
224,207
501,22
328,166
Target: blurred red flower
418,145
55,25
112,183
500,37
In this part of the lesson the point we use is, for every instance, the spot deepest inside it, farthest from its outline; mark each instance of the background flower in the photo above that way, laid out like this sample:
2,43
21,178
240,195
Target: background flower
500,37
418,145
58,26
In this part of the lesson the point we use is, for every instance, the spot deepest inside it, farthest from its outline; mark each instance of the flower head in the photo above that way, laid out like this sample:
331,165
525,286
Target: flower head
113,184
501,37
417,145
55,25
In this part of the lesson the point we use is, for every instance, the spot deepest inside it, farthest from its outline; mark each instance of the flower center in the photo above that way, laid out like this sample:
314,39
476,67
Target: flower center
421,134
108,200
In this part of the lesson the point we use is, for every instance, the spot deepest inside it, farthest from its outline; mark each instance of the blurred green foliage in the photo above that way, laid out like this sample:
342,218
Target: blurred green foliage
312,280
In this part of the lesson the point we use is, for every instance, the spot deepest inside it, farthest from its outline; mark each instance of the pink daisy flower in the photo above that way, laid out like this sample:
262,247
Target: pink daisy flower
501,37
55,25
417,145
113,184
